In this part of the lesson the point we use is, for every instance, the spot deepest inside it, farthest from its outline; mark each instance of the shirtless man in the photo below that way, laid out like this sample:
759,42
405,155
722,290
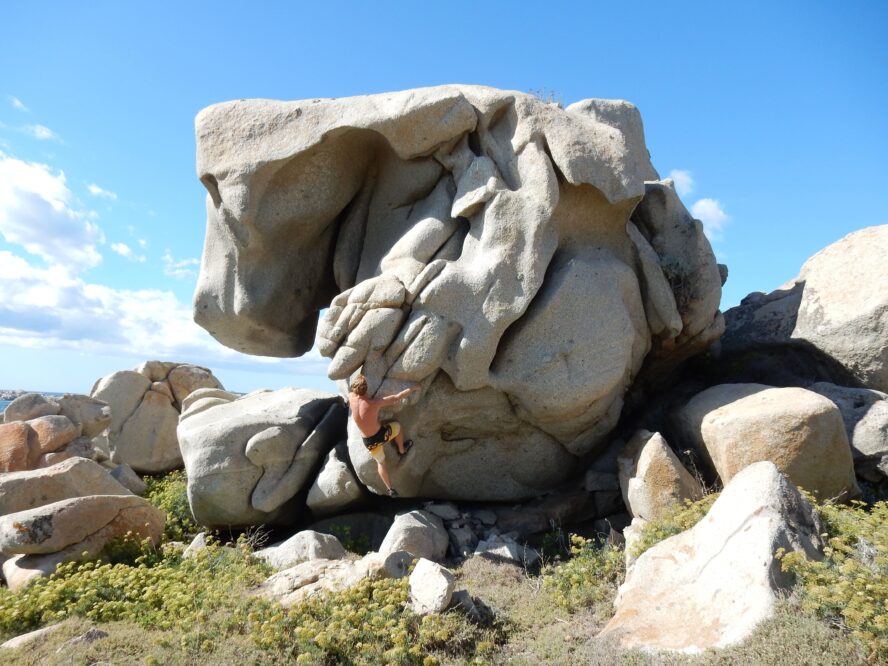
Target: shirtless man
365,412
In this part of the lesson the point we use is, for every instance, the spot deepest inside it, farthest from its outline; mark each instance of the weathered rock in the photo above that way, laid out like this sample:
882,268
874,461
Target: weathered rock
145,412
83,447
248,457
827,324
335,489
307,579
83,521
126,477
865,413
75,477
503,548
29,406
595,481
302,546
53,432
184,379
725,568
89,637
71,529
15,451
463,541
431,587
198,543
652,478
456,228
32,638
419,533
444,510
735,425
92,415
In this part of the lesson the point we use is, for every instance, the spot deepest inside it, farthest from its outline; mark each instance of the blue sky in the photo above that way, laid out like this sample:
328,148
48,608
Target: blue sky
772,115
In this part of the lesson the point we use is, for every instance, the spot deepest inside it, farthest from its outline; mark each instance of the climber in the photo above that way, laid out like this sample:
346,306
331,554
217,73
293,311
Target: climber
365,412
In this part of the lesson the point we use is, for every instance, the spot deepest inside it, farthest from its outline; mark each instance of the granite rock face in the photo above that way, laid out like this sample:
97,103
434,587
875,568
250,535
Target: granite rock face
247,457
830,323
802,432
517,260
145,405
709,587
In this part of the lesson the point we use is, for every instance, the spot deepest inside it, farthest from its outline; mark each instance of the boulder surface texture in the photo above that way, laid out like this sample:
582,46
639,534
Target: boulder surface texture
247,457
735,425
835,312
517,260
709,587
145,405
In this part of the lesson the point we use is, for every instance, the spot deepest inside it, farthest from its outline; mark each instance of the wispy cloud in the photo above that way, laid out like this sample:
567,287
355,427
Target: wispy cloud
181,268
684,182
42,133
37,212
143,243
713,216
126,252
97,191
17,104
51,308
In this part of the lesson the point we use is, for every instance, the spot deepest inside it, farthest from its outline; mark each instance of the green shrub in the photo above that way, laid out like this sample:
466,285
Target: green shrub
359,544
589,580
849,587
676,521
169,494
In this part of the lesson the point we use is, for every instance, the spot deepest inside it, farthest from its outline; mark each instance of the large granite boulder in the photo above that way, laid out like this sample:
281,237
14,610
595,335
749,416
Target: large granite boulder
517,260
39,539
830,323
145,405
709,587
247,457
735,425
336,489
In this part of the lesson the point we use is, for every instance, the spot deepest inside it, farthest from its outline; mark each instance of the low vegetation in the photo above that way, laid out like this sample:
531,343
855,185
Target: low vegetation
169,494
159,608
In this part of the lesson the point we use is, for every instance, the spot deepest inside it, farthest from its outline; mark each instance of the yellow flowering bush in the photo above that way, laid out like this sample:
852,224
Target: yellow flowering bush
677,520
589,579
849,587
168,493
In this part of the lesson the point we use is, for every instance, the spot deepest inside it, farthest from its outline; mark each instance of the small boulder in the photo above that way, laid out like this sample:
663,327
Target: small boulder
652,478
29,406
444,510
709,587
420,533
75,477
125,475
15,451
198,543
503,548
431,587
865,413
302,546
186,378
53,432
735,425
92,415
336,488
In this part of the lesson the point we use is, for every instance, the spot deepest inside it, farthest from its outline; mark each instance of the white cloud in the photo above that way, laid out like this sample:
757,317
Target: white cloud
712,215
143,243
97,191
182,268
37,213
51,308
42,132
684,182
126,252
18,104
